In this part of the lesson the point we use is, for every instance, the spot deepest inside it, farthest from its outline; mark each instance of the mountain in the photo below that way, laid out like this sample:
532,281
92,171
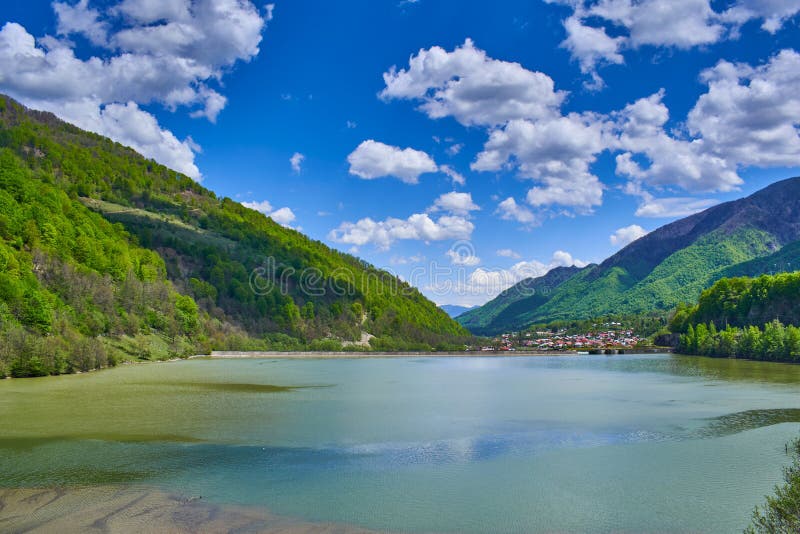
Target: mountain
454,310
674,263
510,309
106,255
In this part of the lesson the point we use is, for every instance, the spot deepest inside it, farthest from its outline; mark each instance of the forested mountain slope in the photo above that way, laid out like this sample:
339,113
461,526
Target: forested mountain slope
676,262
510,309
104,253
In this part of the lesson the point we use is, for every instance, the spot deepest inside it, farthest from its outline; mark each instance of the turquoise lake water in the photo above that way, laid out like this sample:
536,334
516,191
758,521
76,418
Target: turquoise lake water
632,443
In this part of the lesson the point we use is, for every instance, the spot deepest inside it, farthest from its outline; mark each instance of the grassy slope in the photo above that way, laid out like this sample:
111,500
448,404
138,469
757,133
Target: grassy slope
510,308
679,278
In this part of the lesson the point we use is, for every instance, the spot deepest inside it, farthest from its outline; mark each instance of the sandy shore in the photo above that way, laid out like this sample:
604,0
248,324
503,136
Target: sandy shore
300,355
110,510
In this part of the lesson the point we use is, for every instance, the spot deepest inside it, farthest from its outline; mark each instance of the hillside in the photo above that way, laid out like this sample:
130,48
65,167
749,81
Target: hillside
103,249
510,309
745,301
674,263
754,318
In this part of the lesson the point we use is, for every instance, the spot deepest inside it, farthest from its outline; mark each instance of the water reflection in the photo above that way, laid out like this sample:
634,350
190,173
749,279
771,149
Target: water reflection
724,369
734,423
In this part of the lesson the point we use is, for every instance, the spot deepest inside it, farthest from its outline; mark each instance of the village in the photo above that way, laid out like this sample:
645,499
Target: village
608,335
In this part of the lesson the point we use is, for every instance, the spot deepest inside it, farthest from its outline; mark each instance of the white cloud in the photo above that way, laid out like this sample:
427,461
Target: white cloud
454,175
457,258
565,259
667,207
138,129
283,216
508,253
556,152
522,106
671,161
455,224
749,115
373,159
296,161
454,149
490,282
166,52
680,24
456,203
672,206
591,47
259,205
149,11
473,88
509,210
773,13
79,18
419,226
628,234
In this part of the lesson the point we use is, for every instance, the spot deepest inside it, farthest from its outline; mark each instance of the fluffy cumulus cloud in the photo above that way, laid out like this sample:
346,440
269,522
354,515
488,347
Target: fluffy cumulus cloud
750,114
419,226
454,224
556,152
687,163
472,87
80,18
660,23
373,159
628,234
521,110
746,118
284,216
171,53
509,210
591,47
457,203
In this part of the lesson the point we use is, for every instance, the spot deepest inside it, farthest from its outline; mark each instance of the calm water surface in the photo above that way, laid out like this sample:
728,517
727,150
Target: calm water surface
654,443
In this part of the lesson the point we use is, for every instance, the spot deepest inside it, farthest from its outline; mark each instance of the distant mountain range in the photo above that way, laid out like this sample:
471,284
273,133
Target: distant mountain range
673,264
454,310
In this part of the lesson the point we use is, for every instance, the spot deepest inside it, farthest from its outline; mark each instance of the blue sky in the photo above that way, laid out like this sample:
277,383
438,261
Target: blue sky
400,130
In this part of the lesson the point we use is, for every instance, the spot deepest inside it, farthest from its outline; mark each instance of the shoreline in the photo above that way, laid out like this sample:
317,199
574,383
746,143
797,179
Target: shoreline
306,355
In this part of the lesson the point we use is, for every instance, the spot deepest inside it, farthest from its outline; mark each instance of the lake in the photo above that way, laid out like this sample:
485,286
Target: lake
630,443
